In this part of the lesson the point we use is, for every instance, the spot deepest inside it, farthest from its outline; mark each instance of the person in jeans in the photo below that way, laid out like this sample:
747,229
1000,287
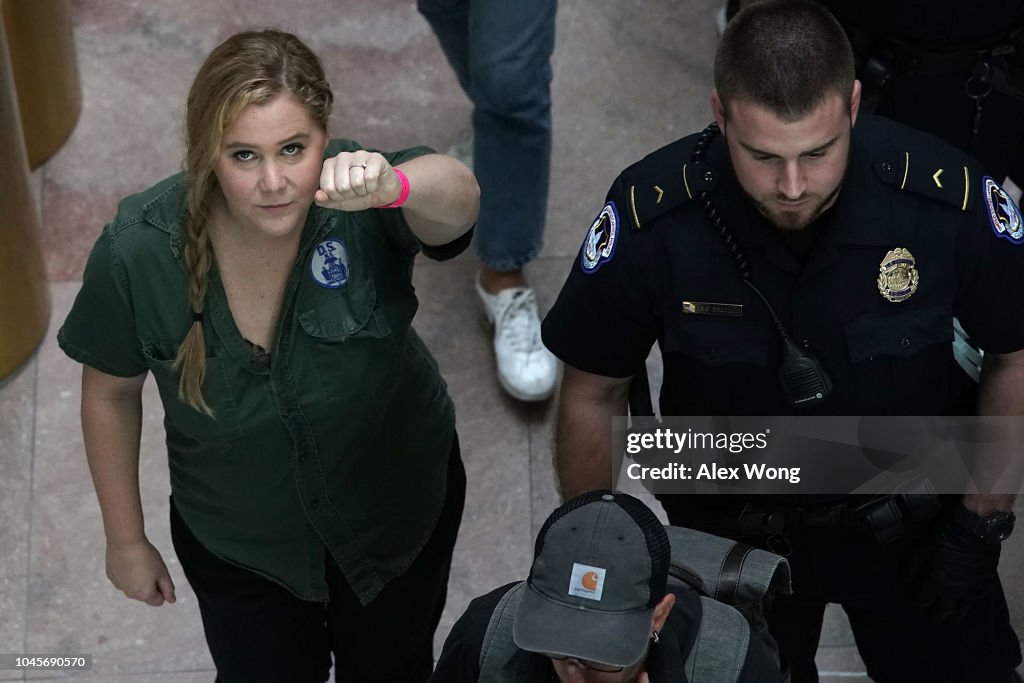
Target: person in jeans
501,54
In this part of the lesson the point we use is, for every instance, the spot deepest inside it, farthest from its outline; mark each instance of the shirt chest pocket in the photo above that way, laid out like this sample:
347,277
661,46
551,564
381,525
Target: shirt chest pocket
716,341
721,365
902,361
349,342
899,333
181,419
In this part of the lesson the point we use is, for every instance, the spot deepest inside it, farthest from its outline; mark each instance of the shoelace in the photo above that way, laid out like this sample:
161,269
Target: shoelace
516,321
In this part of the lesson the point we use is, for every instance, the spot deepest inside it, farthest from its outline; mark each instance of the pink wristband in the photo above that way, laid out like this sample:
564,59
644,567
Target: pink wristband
403,195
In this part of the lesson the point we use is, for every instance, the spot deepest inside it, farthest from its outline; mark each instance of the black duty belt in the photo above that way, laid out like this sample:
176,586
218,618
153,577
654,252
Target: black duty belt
756,521
886,518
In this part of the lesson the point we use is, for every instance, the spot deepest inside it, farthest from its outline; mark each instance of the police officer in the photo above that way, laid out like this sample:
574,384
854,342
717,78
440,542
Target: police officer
796,228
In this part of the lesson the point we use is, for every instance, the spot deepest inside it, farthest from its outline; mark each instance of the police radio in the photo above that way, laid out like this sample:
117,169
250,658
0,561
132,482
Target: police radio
804,382
803,379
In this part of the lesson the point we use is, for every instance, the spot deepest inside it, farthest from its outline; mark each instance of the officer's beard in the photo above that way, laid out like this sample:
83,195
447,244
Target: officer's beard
791,221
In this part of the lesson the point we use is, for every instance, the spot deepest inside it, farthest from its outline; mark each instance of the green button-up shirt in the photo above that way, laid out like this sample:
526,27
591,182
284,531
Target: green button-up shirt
340,445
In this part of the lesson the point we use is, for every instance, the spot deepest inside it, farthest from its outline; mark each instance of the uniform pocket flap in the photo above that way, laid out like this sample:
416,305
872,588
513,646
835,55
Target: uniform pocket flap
718,342
350,313
184,420
898,333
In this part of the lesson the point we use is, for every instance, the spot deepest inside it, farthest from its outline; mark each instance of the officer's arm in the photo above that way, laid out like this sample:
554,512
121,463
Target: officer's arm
1001,392
583,434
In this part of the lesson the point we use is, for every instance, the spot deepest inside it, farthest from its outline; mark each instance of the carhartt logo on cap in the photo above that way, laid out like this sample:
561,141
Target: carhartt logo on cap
586,581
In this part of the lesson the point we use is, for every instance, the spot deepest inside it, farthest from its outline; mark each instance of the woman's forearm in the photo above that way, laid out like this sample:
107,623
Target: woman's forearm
112,427
444,198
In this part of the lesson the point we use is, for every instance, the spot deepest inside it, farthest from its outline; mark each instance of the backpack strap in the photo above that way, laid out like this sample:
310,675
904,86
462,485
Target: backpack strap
731,574
729,571
714,657
499,646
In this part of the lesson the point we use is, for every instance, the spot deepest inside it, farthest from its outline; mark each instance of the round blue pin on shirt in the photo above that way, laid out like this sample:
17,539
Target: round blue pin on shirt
328,265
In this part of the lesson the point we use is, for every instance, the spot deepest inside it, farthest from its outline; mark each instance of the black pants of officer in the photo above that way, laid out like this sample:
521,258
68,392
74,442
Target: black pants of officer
259,631
897,641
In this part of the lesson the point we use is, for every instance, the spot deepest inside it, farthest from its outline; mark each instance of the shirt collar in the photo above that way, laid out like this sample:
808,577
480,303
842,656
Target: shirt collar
318,222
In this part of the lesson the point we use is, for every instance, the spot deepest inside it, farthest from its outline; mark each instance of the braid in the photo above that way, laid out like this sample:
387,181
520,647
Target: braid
191,360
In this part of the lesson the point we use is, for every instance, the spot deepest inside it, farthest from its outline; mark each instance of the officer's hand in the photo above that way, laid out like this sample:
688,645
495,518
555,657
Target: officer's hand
353,181
138,571
961,568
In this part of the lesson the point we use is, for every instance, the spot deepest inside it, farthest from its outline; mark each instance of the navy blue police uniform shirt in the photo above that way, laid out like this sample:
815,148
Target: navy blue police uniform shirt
917,236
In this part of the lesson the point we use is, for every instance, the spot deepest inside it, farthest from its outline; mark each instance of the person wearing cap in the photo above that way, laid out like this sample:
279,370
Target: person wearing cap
501,54
597,607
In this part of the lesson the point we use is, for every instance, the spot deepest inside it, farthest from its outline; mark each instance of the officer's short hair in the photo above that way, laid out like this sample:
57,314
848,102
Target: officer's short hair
785,55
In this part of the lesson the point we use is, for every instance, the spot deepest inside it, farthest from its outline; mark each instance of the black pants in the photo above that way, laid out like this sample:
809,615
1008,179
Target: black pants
897,641
259,632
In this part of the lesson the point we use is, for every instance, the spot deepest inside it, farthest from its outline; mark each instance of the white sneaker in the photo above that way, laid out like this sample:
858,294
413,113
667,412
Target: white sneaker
526,369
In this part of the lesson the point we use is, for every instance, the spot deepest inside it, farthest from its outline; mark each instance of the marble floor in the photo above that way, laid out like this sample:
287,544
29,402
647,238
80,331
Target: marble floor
630,75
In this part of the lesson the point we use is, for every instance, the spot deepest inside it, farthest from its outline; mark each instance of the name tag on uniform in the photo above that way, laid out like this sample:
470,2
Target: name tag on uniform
710,308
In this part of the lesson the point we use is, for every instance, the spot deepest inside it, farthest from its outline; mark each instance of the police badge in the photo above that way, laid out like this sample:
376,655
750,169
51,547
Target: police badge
897,279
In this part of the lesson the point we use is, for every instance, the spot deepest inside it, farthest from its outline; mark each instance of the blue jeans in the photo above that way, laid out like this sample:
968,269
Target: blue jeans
501,53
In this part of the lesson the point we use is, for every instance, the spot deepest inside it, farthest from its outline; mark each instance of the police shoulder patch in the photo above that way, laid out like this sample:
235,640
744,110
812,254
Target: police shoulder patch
328,264
601,239
1003,213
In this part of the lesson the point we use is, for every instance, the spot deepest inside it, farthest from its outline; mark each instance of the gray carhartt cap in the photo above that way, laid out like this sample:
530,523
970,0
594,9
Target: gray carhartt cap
600,566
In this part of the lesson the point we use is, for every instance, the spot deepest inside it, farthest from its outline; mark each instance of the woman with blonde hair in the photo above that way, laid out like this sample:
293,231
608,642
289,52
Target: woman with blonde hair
316,481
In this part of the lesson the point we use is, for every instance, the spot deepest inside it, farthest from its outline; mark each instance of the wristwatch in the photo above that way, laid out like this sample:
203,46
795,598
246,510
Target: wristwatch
993,528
